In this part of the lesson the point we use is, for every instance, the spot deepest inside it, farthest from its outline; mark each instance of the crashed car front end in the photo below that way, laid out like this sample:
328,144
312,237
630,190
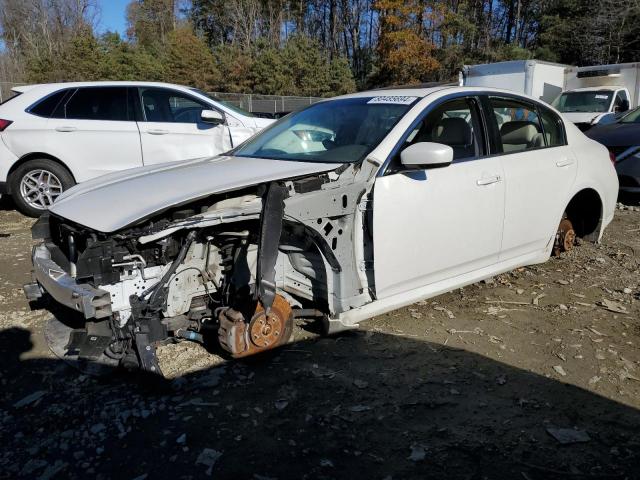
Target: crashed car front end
236,267
229,249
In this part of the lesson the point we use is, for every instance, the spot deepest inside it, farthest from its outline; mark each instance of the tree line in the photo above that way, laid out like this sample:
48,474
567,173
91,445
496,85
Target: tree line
307,47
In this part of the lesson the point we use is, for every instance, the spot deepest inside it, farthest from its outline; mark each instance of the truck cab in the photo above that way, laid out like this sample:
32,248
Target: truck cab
591,105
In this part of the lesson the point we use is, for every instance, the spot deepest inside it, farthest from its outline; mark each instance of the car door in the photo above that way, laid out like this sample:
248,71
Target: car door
93,131
539,169
171,127
435,224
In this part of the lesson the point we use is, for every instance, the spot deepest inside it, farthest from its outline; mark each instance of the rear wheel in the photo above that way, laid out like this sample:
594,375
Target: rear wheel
565,237
36,184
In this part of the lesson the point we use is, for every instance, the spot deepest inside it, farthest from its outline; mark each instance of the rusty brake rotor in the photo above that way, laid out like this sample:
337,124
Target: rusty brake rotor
565,237
262,332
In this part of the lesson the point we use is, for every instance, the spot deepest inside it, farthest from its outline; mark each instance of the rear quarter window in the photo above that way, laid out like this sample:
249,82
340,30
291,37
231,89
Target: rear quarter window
47,105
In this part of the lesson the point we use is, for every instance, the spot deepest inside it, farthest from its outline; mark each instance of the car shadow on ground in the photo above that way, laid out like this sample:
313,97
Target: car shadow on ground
631,199
357,405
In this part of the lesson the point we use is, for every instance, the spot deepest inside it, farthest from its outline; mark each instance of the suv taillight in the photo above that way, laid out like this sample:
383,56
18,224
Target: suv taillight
612,157
4,124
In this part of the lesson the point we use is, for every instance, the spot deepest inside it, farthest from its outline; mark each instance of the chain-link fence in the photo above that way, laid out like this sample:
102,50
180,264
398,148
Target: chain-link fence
272,104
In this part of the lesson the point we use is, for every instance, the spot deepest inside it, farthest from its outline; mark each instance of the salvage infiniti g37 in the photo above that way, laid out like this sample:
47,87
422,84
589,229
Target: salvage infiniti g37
347,209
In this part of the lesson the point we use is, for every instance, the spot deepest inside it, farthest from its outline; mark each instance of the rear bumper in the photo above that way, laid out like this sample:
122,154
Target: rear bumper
7,160
51,278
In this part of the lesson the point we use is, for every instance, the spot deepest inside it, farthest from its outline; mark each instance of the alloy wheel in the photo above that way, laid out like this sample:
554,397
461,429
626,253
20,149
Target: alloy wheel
40,188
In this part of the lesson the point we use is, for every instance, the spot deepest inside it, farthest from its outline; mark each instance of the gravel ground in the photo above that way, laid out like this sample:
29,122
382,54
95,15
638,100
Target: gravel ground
532,375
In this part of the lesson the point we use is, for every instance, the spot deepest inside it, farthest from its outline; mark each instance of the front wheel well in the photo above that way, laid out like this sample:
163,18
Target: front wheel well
585,212
37,156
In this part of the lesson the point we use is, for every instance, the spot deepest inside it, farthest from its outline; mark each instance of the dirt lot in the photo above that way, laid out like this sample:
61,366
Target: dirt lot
470,385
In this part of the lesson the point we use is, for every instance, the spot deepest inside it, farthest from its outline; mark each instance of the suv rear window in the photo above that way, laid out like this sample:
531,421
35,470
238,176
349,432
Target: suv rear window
46,106
98,103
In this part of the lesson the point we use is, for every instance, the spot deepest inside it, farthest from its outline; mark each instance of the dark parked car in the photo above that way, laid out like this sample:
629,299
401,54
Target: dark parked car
622,138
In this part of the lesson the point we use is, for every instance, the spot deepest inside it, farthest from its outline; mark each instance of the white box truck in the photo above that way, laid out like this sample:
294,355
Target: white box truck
597,94
538,79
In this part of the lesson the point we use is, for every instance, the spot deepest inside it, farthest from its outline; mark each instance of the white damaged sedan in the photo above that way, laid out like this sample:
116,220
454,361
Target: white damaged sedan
350,208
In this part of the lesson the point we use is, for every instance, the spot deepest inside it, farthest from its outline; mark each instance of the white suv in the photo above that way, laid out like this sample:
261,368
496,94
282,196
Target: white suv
53,136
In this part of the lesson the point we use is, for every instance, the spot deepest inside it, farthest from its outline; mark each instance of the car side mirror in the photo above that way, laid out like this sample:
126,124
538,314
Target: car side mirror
426,155
212,116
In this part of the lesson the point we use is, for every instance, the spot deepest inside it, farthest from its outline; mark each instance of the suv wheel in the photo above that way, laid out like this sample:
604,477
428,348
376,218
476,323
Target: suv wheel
36,184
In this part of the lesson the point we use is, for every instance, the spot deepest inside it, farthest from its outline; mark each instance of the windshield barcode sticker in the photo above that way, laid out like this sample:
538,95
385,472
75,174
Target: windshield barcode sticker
602,97
394,99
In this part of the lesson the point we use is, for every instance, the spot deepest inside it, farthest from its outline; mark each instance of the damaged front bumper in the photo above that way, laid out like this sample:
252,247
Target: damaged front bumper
51,278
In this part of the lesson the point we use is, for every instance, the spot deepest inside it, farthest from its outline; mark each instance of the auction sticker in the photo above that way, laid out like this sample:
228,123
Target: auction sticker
393,99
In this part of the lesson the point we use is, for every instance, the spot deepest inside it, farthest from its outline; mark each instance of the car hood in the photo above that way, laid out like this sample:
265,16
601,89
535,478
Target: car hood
262,122
120,199
616,134
582,117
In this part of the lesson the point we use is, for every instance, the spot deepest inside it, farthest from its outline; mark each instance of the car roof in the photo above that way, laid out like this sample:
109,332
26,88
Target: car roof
422,92
105,83
595,89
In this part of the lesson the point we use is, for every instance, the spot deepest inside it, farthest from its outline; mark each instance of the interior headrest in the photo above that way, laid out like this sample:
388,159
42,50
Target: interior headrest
453,131
519,132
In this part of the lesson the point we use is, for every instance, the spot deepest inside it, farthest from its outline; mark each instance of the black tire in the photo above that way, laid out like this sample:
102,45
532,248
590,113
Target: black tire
54,174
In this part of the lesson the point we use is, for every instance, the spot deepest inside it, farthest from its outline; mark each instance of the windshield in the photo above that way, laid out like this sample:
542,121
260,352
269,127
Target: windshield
632,117
335,131
230,106
595,101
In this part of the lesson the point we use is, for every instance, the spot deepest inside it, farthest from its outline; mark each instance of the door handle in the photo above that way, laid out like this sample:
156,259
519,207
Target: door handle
65,128
488,180
565,162
157,131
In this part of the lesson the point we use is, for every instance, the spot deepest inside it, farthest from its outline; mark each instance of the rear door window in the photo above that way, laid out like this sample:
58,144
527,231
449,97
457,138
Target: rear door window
98,103
519,126
553,128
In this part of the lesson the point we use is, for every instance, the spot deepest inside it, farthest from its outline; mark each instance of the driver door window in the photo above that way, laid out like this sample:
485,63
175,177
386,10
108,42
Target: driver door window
621,103
166,106
455,123
173,129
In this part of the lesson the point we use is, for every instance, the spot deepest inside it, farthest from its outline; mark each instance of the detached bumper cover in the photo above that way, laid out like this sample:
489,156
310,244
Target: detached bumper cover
51,278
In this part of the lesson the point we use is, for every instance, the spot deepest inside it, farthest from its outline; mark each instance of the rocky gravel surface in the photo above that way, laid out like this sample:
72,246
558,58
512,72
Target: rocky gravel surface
531,375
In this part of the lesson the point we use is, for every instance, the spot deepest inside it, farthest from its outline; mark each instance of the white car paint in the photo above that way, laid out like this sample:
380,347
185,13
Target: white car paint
105,205
385,237
90,148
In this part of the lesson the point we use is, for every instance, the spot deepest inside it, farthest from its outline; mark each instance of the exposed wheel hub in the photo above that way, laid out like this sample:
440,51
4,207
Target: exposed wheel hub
261,332
565,237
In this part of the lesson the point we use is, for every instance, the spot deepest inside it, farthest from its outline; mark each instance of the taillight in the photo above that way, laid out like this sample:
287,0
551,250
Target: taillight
612,157
4,124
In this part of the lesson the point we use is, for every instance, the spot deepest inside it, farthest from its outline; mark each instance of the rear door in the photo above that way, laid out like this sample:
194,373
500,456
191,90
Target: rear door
171,128
539,169
94,132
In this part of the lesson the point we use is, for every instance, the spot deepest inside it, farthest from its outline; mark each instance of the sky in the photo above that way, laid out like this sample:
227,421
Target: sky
112,16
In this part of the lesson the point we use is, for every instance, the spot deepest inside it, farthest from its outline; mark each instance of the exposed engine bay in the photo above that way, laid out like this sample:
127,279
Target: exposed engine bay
235,268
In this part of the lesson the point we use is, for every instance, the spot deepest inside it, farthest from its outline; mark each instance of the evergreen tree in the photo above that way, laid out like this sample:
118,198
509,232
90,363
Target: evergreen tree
189,61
